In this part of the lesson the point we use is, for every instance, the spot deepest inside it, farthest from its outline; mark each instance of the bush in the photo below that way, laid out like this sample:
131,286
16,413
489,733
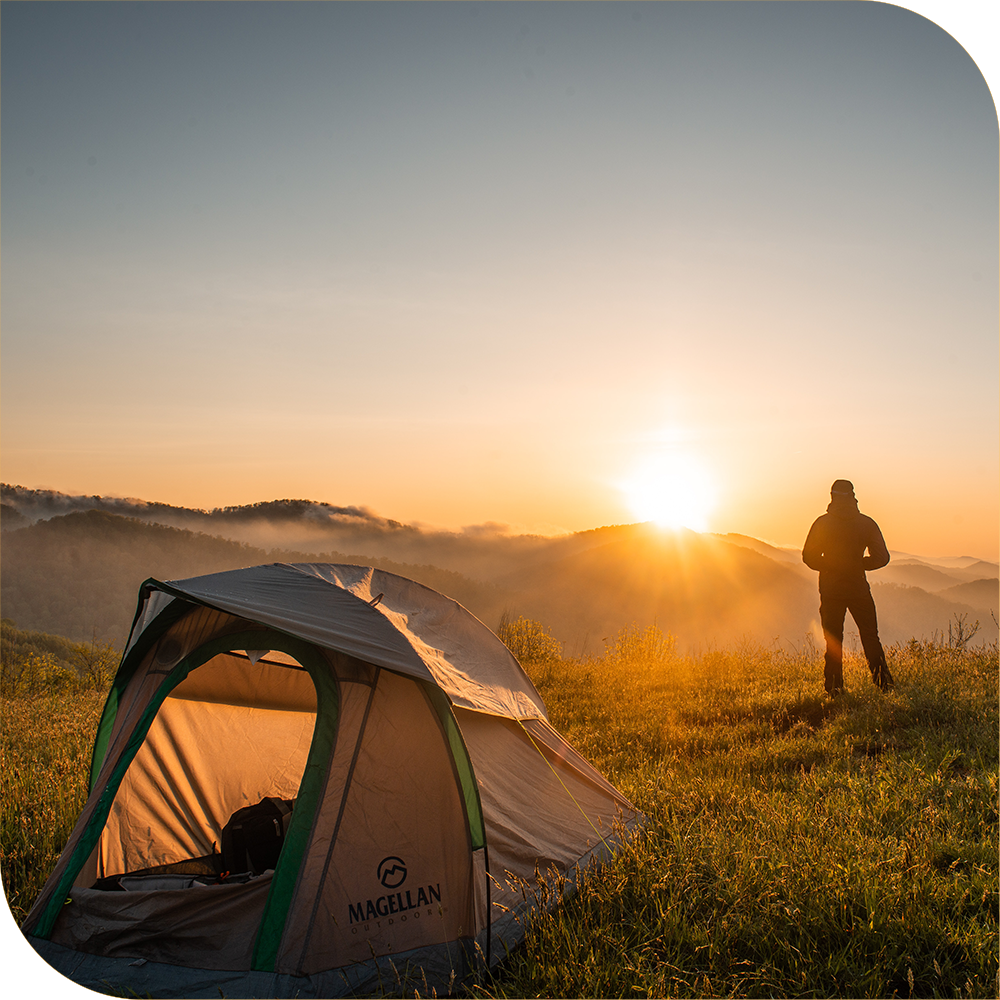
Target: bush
528,640
33,663
633,647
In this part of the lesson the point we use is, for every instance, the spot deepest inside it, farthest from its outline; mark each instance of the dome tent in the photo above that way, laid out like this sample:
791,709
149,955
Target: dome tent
427,788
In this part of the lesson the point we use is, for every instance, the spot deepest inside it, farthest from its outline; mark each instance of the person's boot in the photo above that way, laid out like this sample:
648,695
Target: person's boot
833,676
881,675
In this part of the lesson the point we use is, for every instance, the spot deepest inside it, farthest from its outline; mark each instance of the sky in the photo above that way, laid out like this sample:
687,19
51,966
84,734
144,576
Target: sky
552,266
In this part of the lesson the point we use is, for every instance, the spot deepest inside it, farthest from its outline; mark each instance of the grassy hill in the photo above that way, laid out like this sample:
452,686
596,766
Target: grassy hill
795,846
798,846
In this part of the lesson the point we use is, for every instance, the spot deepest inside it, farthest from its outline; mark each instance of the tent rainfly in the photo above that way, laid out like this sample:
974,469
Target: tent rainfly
427,793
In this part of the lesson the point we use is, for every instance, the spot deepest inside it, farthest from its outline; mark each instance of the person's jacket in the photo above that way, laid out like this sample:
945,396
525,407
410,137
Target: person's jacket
837,543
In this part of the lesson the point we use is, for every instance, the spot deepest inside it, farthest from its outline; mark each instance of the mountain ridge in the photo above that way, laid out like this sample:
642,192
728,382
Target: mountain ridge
77,573
34,504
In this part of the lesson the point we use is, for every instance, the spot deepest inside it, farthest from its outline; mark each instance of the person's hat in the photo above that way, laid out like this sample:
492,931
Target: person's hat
842,487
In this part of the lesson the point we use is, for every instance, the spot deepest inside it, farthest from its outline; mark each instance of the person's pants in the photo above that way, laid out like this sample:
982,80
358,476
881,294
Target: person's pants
832,610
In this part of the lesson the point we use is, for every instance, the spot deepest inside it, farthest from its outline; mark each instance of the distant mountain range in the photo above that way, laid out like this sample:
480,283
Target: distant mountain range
72,566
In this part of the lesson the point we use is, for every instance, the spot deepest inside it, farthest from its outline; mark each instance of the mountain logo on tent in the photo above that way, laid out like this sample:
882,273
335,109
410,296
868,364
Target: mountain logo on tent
392,872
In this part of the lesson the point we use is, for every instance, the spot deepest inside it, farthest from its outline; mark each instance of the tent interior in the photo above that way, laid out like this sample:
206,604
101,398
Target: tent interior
236,730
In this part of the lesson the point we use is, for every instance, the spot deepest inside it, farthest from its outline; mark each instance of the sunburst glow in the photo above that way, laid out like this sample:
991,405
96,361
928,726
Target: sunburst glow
673,491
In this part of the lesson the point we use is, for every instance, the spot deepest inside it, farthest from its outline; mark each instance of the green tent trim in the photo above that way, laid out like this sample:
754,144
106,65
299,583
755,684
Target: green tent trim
324,734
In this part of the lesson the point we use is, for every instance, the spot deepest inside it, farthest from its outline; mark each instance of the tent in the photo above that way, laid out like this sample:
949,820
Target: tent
428,793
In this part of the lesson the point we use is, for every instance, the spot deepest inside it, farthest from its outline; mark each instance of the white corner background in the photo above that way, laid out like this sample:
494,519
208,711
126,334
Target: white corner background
974,24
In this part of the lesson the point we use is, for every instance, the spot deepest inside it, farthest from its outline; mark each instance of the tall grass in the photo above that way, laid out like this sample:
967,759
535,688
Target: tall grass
45,747
796,846
52,691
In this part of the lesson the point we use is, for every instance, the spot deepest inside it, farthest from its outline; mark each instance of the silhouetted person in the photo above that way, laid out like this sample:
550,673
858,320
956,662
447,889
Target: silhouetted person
836,546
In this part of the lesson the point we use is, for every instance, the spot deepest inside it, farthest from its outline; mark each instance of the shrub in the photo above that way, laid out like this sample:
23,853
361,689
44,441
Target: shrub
633,647
528,640
33,663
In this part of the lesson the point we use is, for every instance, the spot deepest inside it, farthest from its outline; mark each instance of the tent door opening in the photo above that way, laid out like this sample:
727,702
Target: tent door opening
234,733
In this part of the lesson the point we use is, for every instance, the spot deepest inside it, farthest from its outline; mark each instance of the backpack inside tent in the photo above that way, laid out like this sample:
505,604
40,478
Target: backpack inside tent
315,780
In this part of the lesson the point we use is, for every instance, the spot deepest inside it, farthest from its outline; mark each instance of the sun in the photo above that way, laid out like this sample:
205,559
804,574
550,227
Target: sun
673,491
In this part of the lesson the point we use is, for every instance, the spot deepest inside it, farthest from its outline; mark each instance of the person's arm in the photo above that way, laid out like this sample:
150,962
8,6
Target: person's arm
812,551
878,554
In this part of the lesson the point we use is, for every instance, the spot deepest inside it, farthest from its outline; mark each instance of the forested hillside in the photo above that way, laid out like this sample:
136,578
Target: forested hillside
78,574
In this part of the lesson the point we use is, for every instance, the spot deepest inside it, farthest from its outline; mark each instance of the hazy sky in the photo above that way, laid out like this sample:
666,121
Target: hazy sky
501,262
